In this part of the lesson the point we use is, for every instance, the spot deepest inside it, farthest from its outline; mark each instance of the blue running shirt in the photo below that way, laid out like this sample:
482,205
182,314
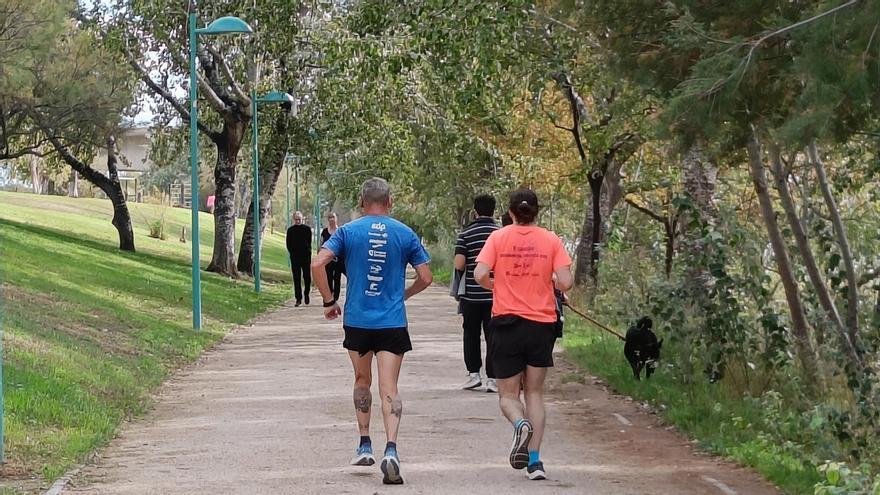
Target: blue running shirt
376,250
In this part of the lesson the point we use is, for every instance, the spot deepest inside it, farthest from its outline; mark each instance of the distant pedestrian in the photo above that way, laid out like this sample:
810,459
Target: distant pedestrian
336,268
376,249
299,247
506,220
527,261
476,302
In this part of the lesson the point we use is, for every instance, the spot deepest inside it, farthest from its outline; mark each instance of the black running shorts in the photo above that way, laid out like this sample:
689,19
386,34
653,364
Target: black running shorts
518,342
364,340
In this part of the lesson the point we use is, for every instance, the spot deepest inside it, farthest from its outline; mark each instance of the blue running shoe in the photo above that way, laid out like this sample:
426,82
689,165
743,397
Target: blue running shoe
536,471
391,468
519,451
364,456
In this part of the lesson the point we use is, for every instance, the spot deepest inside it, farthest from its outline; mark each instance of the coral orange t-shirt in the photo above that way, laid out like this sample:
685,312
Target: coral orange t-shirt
523,258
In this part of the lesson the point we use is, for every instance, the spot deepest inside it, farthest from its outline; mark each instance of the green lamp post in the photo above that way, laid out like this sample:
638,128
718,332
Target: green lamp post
270,97
223,25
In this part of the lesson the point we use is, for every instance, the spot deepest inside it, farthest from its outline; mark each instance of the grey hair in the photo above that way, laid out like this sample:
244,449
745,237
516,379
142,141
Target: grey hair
376,191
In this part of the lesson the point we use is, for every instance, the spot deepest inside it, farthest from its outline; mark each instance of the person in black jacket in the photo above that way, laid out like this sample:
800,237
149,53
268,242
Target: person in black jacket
336,268
299,247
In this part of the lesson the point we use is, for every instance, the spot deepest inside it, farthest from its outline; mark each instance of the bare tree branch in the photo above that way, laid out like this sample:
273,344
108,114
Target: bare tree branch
239,92
166,95
646,211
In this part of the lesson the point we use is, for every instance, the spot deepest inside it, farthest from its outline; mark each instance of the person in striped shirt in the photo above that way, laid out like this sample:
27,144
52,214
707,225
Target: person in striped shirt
476,302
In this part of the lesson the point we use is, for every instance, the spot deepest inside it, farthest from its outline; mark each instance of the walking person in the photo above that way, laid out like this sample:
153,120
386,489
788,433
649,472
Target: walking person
376,249
299,247
336,268
476,302
527,261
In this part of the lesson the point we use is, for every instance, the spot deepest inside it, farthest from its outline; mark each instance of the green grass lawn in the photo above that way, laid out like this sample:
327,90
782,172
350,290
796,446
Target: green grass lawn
722,421
89,331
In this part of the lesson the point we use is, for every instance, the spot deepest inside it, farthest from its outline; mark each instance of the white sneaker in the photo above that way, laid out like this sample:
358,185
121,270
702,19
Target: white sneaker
491,386
472,382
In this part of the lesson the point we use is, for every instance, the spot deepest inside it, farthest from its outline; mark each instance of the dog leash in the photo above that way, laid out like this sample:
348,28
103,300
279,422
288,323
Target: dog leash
594,322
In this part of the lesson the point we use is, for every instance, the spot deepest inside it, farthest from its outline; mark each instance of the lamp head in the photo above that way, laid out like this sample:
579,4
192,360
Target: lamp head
226,25
276,97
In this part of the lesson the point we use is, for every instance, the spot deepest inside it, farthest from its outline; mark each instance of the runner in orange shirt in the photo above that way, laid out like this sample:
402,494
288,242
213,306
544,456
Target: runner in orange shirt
527,261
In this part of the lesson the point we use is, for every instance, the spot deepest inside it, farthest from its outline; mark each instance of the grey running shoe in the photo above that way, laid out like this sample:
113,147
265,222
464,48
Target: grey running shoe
491,386
519,451
472,382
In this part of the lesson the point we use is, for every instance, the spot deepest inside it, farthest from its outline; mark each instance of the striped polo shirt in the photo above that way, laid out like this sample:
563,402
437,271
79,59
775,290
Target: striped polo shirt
470,242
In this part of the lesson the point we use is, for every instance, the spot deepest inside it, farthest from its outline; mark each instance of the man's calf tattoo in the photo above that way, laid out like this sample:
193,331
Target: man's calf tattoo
363,399
396,405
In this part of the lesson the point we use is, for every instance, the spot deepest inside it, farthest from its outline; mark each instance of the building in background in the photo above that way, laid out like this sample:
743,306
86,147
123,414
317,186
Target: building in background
133,161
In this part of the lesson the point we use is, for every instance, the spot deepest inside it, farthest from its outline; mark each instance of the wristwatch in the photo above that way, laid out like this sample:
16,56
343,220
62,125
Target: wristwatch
330,304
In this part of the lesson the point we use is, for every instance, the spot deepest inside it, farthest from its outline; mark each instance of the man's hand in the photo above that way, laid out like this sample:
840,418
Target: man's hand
423,280
332,312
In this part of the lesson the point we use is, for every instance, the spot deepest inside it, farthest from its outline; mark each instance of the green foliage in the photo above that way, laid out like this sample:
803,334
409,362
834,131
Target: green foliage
157,226
841,480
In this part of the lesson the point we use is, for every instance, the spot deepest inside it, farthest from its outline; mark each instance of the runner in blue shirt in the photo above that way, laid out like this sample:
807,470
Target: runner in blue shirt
376,249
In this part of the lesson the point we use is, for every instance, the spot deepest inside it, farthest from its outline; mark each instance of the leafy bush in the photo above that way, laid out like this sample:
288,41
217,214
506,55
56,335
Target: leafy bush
442,254
840,480
157,226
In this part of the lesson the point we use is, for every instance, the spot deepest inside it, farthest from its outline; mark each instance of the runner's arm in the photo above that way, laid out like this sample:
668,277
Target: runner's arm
422,282
319,275
481,276
460,262
563,279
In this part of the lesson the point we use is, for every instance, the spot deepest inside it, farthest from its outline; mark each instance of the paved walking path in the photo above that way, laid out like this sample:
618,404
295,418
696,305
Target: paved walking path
269,411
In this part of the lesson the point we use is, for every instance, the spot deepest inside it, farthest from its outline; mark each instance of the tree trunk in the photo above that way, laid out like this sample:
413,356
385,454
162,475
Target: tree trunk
669,229
806,252
585,246
243,199
596,178
73,188
584,254
798,320
228,146
700,178
121,215
36,174
852,307
109,184
276,150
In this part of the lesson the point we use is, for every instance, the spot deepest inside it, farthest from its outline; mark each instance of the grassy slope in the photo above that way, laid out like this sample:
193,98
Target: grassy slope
89,330
718,419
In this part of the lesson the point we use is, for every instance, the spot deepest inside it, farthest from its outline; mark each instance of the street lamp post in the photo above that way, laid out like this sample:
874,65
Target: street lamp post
222,25
270,97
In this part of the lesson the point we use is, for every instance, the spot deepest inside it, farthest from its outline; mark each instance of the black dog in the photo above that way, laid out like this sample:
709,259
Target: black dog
642,349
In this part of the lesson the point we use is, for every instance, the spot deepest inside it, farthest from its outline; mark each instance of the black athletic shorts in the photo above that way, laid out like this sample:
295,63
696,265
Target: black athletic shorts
518,342
364,340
